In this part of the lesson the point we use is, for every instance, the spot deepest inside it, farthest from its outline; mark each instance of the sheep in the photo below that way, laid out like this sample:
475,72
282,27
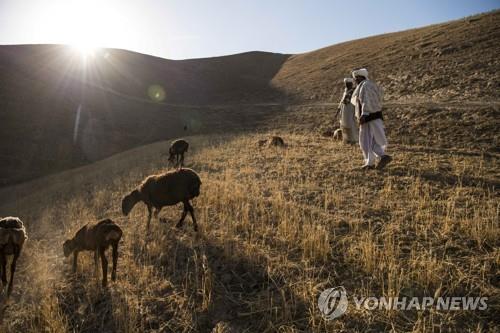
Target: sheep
176,151
166,189
12,238
277,141
96,237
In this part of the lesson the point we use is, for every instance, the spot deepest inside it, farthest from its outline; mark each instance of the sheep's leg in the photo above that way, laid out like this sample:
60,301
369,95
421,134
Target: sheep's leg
184,213
150,211
3,264
115,260
96,263
75,261
191,211
17,251
104,262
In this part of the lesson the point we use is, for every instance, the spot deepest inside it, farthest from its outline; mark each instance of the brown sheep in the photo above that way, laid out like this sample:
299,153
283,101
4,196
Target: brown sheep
166,189
96,237
176,151
12,238
277,141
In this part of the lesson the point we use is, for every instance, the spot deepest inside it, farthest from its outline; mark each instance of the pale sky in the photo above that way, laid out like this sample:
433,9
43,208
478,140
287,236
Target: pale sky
179,29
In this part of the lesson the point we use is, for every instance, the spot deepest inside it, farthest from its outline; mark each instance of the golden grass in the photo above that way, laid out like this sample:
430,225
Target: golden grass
277,226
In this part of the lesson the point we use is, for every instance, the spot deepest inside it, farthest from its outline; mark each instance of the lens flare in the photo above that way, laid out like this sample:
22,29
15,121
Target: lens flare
156,93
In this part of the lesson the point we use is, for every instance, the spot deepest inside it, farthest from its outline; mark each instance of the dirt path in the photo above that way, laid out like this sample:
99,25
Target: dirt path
454,103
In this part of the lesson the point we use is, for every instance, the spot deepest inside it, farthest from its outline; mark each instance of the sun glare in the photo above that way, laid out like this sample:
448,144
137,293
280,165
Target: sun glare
85,50
85,25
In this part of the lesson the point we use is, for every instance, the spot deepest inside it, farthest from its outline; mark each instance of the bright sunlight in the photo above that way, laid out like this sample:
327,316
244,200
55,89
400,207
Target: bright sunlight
85,25
85,50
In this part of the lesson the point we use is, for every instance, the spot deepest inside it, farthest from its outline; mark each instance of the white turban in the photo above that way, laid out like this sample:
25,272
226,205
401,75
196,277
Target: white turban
360,72
348,79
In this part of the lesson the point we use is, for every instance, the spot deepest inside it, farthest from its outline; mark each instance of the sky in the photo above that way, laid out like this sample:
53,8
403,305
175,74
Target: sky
180,29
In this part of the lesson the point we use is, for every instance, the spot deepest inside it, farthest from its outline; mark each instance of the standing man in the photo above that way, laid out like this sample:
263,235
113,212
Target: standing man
367,99
346,110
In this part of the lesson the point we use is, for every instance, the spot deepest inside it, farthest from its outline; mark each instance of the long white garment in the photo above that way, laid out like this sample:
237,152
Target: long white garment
372,140
348,123
347,119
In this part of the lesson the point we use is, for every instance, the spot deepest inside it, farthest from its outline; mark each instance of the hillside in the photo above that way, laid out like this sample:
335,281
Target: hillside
451,61
277,226
42,87
128,99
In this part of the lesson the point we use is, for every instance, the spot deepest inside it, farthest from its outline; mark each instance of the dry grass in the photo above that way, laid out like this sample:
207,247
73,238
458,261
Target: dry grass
277,227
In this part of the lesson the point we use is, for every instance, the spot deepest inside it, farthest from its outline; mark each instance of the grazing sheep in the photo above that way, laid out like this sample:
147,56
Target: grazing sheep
96,237
12,237
337,135
176,151
277,141
166,189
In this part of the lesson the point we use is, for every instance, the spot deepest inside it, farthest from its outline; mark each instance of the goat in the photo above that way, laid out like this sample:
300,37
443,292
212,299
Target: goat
166,189
176,151
96,237
12,238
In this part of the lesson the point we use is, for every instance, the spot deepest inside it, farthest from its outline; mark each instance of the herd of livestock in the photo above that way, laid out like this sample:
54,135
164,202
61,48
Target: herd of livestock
170,188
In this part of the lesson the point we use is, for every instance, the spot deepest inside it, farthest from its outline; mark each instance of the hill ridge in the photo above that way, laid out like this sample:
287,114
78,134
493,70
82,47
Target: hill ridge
41,90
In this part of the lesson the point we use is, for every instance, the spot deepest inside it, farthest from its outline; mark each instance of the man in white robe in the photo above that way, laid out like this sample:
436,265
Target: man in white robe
347,118
367,99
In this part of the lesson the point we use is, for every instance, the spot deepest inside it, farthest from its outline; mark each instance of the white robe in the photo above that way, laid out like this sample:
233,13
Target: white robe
372,140
348,124
348,121
367,98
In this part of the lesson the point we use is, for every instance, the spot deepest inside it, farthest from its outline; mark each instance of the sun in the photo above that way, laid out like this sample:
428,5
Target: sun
85,50
85,25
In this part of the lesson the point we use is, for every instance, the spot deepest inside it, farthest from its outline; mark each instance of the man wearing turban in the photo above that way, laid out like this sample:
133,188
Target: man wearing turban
367,100
346,110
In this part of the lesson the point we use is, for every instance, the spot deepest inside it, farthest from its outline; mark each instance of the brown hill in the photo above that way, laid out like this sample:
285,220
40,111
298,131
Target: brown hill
128,99
453,60
42,87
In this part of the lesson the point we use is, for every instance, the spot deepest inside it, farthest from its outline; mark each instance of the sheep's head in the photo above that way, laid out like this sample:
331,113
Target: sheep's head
129,201
68,247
